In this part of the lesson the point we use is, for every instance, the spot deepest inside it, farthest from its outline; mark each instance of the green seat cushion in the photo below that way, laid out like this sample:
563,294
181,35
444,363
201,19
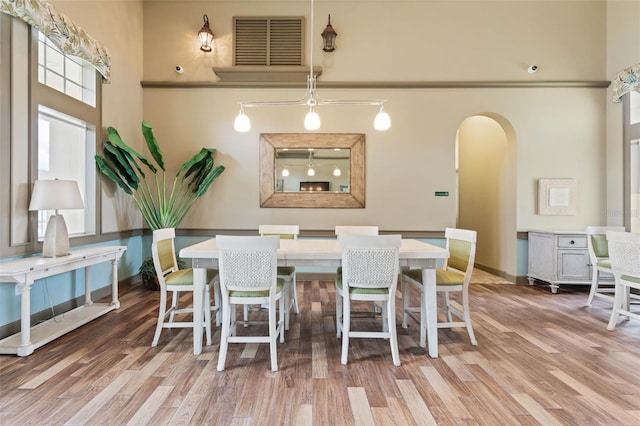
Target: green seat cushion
261,293
630,278
359,290
286,270
442,277
185,276
604,263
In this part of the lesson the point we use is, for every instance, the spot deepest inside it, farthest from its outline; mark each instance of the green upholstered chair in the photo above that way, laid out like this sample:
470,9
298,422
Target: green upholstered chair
370,273
174,280
248,275
599,259
624,253
455,276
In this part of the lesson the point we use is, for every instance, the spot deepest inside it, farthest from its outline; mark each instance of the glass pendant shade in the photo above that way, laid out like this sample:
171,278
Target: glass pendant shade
242,123
311,172
382,121
337,172
285,172
312,120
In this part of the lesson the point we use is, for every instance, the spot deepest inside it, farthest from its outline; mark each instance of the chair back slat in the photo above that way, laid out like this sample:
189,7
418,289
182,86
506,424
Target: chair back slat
285,232
248,263
370,261
461,244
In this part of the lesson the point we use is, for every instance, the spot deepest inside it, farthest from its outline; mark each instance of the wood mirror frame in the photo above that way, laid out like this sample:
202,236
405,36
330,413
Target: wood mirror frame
354,199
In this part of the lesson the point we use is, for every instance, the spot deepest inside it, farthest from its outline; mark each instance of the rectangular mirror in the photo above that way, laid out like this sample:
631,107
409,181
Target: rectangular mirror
337,161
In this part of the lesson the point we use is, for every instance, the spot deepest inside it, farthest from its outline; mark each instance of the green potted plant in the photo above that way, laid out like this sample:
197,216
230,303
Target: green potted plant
163,204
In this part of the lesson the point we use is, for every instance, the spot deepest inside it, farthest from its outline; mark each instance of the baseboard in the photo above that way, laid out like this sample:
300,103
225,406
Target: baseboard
497,272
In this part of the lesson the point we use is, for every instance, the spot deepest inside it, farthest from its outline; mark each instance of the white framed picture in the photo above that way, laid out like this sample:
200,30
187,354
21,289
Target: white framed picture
558,197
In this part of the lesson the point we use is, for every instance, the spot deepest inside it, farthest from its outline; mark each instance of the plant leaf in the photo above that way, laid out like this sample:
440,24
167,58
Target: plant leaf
152,144
115,155
108,172
114,138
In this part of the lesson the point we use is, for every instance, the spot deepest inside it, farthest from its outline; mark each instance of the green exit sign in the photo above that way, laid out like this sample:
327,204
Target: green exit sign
442,193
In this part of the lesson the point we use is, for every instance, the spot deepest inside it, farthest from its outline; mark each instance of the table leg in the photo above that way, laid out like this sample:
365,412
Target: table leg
430,298
199,281
87,287
114,283
25,348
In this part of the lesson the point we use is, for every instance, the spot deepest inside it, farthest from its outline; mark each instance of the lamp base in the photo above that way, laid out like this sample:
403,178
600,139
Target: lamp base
56,238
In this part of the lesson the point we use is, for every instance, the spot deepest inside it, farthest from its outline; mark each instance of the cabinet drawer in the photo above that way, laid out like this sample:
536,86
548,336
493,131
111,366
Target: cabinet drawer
572,242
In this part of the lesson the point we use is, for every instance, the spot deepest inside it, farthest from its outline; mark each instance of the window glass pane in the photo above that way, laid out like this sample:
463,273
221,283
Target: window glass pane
65,148
78,74
73,71
54,80
55,60
74,90
634,97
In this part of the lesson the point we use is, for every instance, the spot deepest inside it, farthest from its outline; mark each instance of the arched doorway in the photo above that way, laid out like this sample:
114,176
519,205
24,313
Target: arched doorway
486,167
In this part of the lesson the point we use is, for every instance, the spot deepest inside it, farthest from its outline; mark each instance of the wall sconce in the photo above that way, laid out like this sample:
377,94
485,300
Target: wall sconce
329,37
206,36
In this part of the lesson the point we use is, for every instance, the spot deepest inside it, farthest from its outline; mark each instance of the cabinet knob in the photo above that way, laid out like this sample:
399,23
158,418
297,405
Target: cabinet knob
572,242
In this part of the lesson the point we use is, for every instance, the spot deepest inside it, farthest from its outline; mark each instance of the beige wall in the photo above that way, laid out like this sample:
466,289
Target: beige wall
118,26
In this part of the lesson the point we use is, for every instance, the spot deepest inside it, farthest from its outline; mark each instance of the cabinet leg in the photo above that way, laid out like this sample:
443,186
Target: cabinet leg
554,288
531,280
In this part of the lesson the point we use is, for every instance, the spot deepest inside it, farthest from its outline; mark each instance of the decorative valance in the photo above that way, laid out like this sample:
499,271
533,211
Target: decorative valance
67,36
626,81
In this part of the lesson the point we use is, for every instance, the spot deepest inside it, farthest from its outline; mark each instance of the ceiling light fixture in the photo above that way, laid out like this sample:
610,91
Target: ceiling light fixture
311,100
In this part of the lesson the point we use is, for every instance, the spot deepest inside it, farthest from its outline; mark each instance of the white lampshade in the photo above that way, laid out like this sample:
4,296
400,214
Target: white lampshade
337,172
56,195
311,171
312,120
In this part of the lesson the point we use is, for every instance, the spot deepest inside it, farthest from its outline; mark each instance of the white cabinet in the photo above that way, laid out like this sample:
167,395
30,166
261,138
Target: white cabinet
558,258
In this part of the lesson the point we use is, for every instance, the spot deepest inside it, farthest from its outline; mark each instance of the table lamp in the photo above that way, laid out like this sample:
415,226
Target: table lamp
56,195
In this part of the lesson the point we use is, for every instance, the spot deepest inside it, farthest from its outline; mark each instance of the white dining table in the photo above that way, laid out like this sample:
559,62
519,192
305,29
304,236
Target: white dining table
322,252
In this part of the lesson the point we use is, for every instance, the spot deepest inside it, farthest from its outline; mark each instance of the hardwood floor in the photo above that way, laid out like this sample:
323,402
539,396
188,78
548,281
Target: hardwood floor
541,359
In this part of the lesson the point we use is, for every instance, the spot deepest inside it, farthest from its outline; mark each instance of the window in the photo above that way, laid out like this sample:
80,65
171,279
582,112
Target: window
66,130
66,147
268,41
72,76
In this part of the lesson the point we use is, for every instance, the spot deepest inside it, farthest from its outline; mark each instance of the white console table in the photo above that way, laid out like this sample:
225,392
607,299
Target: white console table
23,272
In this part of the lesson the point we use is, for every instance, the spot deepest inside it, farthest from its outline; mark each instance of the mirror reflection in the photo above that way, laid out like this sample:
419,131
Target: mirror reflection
312,170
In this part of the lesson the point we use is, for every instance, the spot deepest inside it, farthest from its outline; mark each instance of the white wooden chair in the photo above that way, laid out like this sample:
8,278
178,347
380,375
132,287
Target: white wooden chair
370,273
287,273
356,230
248,275
624,253
455,276
174,280
599,258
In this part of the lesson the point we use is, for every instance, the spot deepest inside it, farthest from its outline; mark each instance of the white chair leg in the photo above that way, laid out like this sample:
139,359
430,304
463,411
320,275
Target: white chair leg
346,328
406,296
393,334
617,304
174,305
594,287
218,301
162,311
245,316
273,337
294,292
338,313
423,318
207,313
467,317
224,336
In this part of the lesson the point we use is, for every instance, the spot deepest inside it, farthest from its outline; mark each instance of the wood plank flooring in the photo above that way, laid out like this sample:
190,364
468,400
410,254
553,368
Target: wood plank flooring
541,358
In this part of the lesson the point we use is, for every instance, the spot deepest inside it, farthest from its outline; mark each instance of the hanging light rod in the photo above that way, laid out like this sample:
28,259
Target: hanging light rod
311,100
